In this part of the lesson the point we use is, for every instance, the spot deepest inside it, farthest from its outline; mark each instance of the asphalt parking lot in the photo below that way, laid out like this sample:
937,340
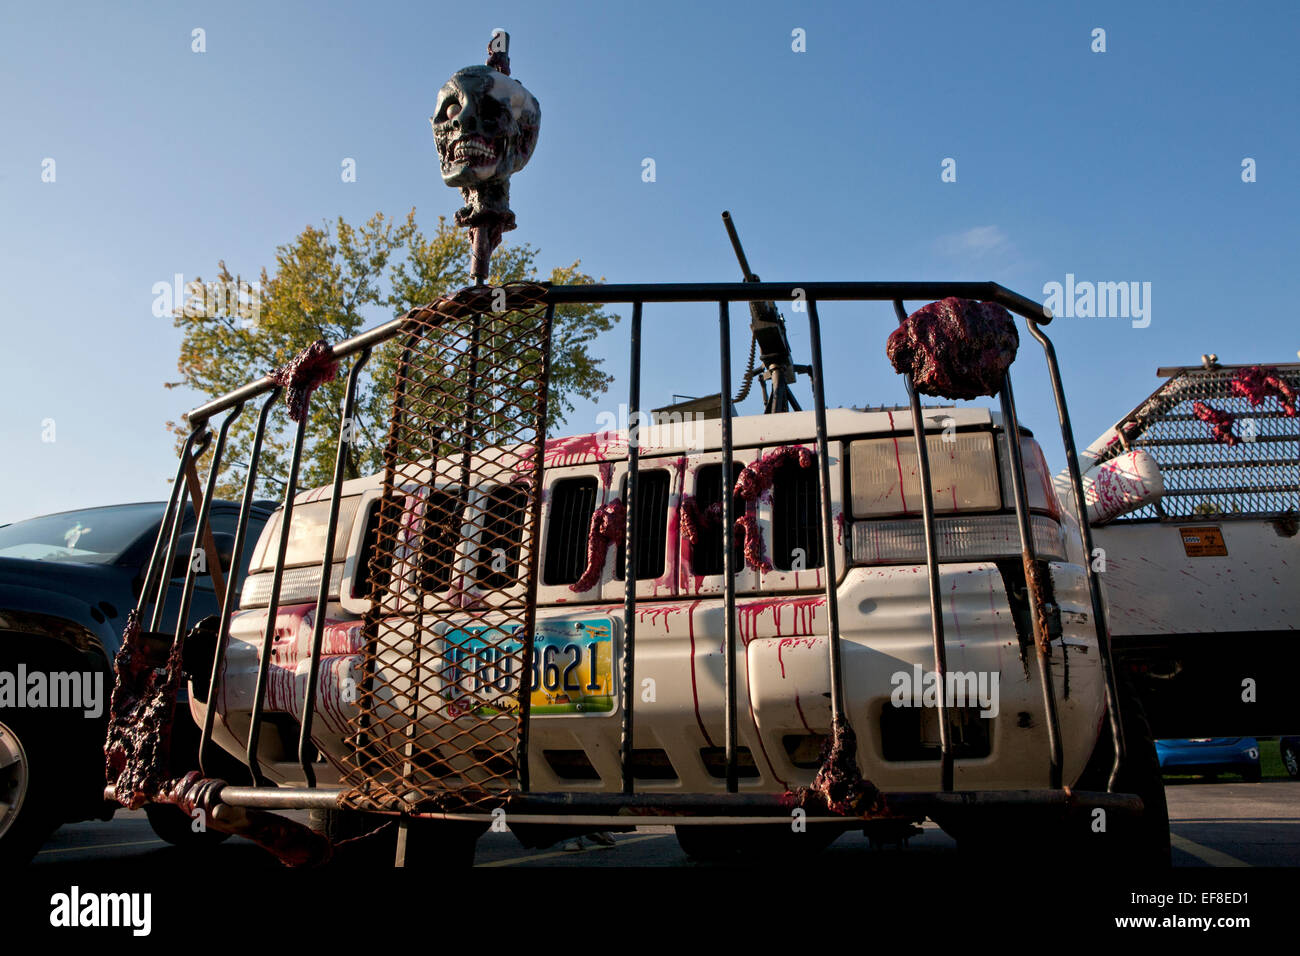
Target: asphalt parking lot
1211,824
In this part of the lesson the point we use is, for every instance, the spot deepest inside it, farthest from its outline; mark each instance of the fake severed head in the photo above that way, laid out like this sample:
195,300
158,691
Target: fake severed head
485,127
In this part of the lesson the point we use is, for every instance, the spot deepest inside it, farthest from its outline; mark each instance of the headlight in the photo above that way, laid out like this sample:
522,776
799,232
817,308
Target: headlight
885,476
299,586
974,538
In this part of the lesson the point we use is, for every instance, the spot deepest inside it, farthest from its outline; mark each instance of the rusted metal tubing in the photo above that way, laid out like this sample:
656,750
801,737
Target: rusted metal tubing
228,601
327,563
273,608
1035,582
828,540
203,532
785,291
534,554
174,508
932,569
1099,618
608,805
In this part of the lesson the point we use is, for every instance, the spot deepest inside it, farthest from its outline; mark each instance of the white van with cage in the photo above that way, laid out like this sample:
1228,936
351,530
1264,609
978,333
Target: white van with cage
998,729
806,635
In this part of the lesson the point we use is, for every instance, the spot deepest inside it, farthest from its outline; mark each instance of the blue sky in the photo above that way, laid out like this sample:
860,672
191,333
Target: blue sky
1117,166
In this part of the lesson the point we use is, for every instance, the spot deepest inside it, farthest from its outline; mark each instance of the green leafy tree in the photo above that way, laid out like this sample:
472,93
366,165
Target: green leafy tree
331,284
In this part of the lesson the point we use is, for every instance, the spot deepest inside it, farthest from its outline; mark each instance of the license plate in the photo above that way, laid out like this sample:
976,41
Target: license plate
572,673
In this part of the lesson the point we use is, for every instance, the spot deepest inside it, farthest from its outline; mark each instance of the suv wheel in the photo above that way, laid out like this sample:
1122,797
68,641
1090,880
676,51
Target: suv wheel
25,819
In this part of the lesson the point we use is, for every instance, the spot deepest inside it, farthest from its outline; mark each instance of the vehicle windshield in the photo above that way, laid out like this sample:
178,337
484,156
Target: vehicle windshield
92,536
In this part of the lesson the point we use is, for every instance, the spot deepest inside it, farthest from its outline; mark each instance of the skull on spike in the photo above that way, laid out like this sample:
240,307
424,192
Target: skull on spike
485,127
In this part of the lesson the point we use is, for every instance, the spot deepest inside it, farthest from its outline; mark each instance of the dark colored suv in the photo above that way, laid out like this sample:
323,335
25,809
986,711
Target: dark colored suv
67,582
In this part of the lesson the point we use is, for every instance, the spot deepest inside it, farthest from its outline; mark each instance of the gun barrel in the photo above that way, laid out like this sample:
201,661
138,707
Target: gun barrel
739,249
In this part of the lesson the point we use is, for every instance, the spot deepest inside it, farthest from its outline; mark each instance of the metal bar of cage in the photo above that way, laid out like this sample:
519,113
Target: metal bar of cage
824,501
629,552
682,292
1099,618
615,808
637,295
228,600
201,523
1037,600
173,536
273,607
327,560
175,506
728,539
535,558
932,572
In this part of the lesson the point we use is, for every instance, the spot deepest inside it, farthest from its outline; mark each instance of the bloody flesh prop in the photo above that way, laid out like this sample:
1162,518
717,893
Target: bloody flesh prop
955,348
747,523
696,520
1257,383
303,374
607,525
137,756
1221,422
140,719
755,480
839,782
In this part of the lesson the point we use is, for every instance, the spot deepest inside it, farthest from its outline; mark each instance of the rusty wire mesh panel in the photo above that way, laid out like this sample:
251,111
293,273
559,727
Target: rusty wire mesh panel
453,573
1258,476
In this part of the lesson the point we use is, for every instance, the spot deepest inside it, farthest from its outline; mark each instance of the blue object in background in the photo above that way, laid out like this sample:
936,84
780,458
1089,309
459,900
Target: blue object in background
1210,755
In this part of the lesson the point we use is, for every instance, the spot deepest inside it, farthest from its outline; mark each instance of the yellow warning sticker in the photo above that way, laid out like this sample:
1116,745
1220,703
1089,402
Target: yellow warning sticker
1203,542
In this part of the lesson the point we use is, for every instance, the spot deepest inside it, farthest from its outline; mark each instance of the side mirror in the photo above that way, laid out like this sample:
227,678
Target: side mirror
185,553
1121,484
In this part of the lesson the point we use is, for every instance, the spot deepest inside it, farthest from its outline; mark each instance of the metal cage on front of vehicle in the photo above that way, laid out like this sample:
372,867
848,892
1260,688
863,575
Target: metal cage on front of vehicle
469,408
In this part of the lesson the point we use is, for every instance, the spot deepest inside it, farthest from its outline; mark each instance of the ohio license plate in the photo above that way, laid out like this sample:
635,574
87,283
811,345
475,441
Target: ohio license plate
572,672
